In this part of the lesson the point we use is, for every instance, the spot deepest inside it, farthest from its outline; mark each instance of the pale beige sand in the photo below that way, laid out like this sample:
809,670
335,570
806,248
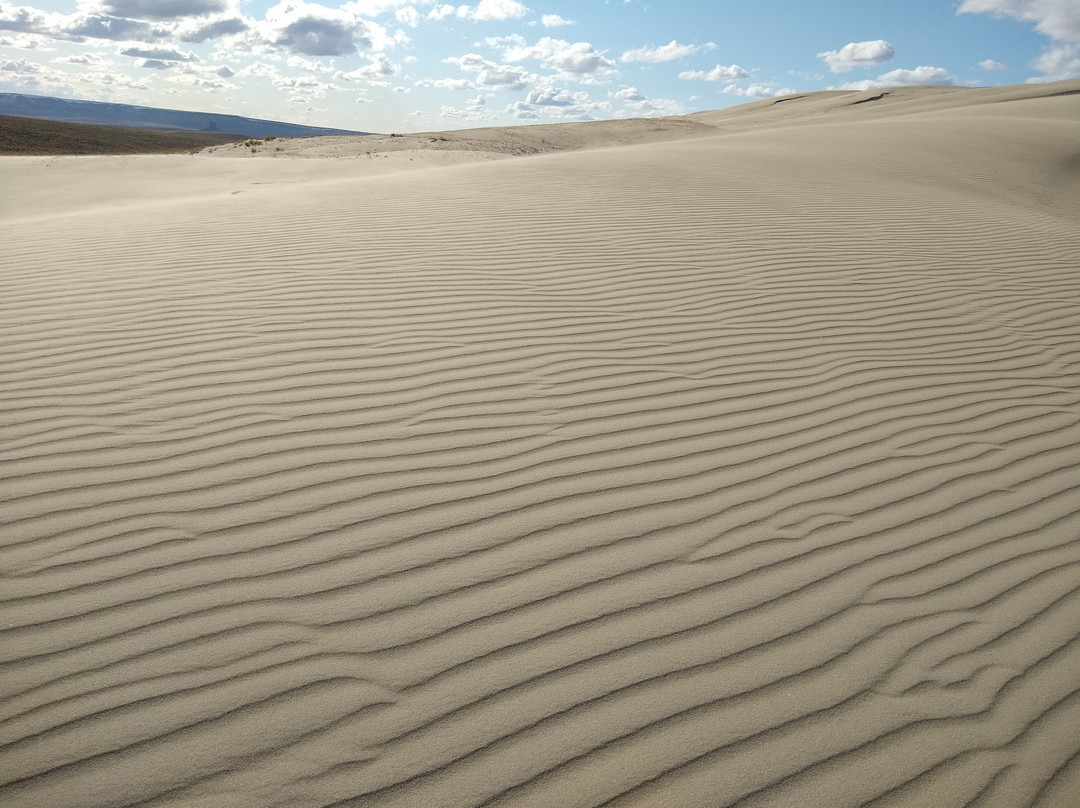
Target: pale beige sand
736,462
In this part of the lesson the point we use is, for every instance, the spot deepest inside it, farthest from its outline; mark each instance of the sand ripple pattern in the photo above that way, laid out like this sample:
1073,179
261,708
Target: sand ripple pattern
733,471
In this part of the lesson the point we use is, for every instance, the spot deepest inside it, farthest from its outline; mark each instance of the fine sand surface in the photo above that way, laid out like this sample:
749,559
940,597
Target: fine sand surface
726,459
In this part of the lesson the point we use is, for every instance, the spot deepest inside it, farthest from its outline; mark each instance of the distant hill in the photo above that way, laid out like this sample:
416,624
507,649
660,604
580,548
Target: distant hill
97,112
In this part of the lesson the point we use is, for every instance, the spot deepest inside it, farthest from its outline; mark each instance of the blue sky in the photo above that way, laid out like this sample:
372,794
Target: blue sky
414,65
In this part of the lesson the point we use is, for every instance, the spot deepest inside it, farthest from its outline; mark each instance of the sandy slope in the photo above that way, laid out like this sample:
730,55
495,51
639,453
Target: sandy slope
734,464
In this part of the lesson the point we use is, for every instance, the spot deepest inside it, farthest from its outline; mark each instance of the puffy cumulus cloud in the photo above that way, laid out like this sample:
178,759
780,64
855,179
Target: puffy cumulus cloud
373,8
858,54
550,97
302,88
79,27
307,65
991,64
547,101
161,9
26,20
407,16
494,11
757,91
1058,63
379,67
497,11
718,73
82,59
114,28
636,103
628,94
505,43
519,109
34,42
446,84
189,76
554,21
491,74
261,69
315,30
475,110
920,75
113,81
581,58
1059,19
162,54
228,26
484,11
665,53
42,79
906,78
19,66
576,59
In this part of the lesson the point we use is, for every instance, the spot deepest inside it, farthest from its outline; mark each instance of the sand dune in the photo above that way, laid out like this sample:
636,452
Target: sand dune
724,460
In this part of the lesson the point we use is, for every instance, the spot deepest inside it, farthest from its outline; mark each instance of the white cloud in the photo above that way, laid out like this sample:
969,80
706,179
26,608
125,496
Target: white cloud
554,21
581,58
577,59
920,75
303,88
82,59
373,8
34,42
1059,19
441,12
550,97
757,91
991,64
718,73
907,78
31,21
163,54
213,30
858,54
665,53
315,30
379,66
491,74
19,66
519,109
635,103
112,80
505,43
1058,63
162,9
475,110
77,27
492,11
447,84
408,16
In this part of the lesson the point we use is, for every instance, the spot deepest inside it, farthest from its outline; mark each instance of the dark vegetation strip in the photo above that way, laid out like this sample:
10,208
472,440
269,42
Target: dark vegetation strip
28,136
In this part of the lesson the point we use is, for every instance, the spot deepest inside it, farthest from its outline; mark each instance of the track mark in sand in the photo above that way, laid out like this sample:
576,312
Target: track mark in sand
687,499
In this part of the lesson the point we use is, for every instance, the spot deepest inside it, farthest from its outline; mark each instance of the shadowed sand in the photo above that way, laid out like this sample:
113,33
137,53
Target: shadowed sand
731,459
